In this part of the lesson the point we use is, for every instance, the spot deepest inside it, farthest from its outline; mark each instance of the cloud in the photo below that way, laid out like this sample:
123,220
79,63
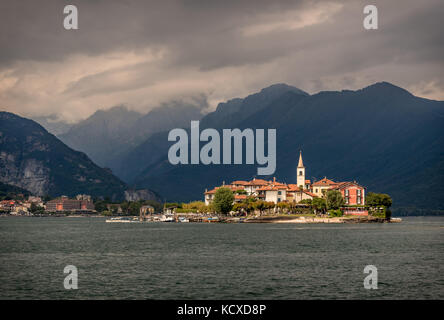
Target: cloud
292,20
146,53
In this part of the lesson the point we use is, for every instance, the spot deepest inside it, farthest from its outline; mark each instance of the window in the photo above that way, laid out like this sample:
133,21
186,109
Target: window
279,199
316,190
359,200
279,192
300,173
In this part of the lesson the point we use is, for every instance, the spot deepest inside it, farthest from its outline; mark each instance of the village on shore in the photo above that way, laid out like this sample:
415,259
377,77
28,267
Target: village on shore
257,200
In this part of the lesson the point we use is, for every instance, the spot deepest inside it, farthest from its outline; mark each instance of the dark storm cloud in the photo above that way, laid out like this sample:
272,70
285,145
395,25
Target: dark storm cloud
33,29
146,52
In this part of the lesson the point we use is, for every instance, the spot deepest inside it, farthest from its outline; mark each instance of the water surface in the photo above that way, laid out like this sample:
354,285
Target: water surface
220,261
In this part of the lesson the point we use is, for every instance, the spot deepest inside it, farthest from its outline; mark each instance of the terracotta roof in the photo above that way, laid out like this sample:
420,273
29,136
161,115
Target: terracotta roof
324,182
307,182
258,182
240,196
345,184
273,187
232,188
310,194
240,182
293,187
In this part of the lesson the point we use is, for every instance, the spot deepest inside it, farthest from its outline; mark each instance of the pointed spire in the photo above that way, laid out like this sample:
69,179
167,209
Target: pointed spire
300,164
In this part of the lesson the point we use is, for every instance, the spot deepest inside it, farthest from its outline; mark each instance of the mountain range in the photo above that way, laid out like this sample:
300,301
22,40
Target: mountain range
108,135
37,161
384,137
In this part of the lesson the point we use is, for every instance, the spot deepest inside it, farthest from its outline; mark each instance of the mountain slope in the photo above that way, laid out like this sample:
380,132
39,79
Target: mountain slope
10,192
382,136
33,159
154,149
106,136
103,135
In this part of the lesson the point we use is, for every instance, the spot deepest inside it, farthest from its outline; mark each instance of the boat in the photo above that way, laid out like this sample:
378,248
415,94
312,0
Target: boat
184,219
122,219
167,218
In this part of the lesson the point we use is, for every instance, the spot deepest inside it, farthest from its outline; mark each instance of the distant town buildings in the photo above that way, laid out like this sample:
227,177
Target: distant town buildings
20,207
274,191
82,203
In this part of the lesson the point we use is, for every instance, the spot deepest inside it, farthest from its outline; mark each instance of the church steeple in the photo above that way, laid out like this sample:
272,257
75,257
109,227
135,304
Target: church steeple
300,164
300,172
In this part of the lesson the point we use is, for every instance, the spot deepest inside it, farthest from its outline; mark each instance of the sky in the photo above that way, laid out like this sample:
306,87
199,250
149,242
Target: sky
144,54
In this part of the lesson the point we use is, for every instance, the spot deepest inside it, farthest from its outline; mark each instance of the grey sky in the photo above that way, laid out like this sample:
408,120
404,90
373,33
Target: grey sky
144,53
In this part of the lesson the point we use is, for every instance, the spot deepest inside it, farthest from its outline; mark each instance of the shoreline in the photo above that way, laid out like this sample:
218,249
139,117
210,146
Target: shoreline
313,220
264,219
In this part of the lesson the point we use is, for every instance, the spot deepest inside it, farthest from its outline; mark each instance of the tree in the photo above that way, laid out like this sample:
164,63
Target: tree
100,206
35,208
283,207
223,200
133,208
269,205
377,201
240,207
386,200
319,205
260,205
124,206
251,204
334,199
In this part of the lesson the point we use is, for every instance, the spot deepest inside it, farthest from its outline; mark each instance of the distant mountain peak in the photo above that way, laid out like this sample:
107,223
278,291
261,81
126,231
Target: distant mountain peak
283,87
385,87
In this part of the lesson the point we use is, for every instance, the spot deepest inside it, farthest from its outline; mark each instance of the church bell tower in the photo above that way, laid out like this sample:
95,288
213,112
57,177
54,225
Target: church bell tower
300,172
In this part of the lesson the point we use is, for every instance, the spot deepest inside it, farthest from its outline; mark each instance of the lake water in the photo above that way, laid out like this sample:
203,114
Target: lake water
220,261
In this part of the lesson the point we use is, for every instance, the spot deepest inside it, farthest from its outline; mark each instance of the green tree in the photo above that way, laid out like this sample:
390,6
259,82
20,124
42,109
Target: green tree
124,206
269,205
133,208
283,207
335,213
334,199
319,205
260,205
35,208
240,207
100,206
223,200
378,202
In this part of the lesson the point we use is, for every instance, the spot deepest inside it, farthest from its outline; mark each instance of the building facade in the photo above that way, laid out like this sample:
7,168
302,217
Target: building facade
64,204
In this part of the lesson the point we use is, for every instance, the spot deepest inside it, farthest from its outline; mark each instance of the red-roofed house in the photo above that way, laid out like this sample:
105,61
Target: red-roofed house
352,192
319,186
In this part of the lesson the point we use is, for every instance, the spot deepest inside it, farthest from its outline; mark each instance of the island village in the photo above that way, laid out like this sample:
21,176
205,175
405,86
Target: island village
256,200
